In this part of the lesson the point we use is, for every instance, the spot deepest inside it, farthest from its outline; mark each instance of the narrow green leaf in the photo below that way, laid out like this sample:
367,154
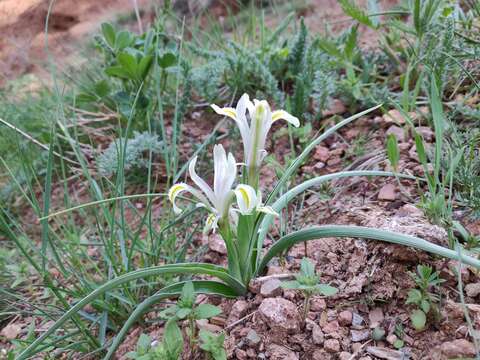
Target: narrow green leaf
352,10
393,153
319,232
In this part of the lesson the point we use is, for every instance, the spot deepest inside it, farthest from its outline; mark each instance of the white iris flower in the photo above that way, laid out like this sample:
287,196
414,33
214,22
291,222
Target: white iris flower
254,133
248,200
217,201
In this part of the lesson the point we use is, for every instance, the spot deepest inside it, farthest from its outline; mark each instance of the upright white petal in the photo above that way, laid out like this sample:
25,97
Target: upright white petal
246,199
200,182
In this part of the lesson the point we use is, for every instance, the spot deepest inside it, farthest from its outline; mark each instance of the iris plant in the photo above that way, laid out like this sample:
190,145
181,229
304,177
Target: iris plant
234,206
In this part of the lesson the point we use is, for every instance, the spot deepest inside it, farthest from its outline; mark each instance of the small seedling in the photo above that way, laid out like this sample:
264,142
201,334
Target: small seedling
307,281
426,279
393,153
169,349
213,344
378,334
185,309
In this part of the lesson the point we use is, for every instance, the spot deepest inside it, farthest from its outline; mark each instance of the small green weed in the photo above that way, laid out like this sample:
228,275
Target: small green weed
308,283
423,296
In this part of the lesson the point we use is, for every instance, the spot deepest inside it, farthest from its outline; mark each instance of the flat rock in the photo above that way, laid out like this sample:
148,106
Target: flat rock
216,243
376,317
331,345
388,192
280,314
458,348
384,353
271,288
317,335
345,318
239,310
394,116
398,132
11,331
473,289
317,304
278,352
359,335
321,153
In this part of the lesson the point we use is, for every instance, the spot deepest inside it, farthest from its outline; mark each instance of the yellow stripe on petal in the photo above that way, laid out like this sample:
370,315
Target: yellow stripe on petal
245,196
227,111
282,114
174,191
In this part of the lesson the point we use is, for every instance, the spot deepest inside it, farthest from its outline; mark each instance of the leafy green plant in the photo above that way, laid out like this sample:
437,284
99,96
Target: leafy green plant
423,296
308,283
170,348
243,227
186,309
213,344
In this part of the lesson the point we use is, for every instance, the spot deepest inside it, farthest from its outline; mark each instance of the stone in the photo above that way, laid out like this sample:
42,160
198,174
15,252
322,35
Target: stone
252,338
239,310
426,132
384,353
317,335
458,348
410,210
412,153
359,335
397,132
319,354
394,116
472,289
392,338
11,331
280,314
216,243
278,352
376,317
317,304
344,355
357,320
321,153
345,318
240,354
271,288
331,327
387,192
335,107
331,345
251,353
